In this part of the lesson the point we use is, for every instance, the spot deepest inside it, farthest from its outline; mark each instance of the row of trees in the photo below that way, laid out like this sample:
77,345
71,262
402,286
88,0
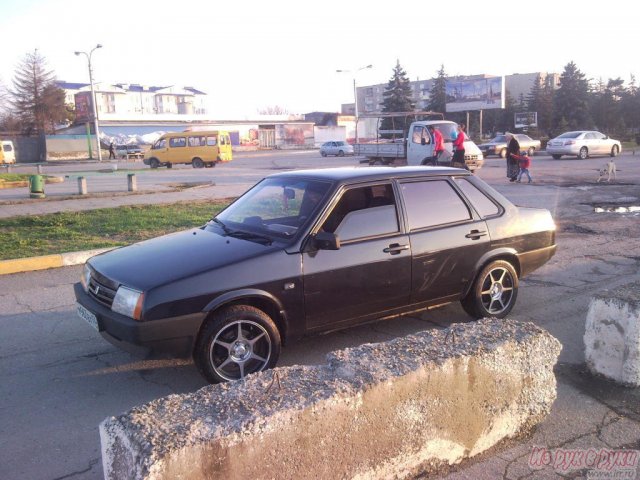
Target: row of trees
33,104
578,103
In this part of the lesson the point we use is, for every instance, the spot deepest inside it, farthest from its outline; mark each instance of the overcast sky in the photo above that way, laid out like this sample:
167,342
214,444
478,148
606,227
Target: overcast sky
250,55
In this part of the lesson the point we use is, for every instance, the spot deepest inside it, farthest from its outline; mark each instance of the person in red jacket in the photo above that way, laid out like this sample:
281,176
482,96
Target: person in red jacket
438,143
458,149
524,162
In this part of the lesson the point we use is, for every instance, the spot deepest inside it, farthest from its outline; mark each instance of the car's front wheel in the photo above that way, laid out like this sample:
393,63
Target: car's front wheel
197,163
341,153
531,151
154,163
235,342
323,154
494,291
503,153
614,151
583,153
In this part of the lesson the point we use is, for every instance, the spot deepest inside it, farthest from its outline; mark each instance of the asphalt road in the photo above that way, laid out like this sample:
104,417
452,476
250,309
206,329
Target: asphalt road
59,379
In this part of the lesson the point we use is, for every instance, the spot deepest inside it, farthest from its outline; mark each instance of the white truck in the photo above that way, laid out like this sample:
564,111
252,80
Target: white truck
413,145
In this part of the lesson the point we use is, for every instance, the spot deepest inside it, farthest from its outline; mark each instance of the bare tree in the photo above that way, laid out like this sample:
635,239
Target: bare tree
36,100
273,110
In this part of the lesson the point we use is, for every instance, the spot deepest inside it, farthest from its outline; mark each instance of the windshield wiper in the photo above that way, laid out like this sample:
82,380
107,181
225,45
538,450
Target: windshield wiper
224,227
250,236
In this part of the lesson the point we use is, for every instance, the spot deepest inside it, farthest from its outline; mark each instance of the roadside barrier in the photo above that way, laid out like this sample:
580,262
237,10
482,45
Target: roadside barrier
386,410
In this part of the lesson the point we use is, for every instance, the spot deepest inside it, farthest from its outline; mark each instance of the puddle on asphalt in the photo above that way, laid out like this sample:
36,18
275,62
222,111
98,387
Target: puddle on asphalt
616,208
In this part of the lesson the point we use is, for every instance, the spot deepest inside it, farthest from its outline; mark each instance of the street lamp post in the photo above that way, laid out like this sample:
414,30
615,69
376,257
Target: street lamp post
93,98
355,91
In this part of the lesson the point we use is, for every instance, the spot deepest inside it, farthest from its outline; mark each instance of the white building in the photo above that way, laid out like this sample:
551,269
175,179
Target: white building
124,101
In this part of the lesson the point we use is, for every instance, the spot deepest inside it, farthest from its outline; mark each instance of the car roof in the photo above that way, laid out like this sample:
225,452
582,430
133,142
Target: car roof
363,174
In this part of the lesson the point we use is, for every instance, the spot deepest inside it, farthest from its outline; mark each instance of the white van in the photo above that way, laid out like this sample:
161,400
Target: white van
8,153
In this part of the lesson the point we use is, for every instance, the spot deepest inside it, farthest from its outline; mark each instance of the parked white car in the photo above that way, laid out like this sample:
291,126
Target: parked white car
8,152
338,148
583,144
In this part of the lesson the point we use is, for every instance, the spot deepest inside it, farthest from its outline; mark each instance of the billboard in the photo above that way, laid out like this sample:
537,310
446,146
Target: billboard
84,110
525,119
480,94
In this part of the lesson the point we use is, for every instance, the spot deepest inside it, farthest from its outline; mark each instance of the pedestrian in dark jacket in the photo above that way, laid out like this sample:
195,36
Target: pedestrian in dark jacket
513,148
112,152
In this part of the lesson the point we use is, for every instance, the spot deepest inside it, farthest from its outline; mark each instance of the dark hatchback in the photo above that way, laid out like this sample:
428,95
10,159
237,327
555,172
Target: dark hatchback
310,251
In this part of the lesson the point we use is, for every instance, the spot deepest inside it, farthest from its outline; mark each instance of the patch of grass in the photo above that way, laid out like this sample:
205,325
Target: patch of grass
30,236
626,146
13,177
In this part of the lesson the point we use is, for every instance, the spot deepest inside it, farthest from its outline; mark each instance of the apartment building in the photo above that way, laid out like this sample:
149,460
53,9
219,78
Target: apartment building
129,101
517,85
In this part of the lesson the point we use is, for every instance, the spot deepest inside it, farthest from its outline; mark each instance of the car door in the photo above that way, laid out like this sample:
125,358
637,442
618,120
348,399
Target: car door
604,145
447,238
419,146
371,271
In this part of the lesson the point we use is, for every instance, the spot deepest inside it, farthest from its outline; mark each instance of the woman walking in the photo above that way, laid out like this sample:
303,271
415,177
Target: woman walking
458,149
513,148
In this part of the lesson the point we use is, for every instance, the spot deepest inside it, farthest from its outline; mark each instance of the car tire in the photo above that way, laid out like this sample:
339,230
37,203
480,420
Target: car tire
323,154
556,157
494,291
503,153
197,163
235,342
154,163
614,151
531,151
340,153
583,154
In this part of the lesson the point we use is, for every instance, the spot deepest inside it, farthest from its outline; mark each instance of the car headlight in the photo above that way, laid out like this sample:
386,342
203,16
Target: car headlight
128,302
86,276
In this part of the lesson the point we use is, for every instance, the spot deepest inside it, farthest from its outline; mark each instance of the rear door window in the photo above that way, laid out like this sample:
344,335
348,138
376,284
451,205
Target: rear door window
483,204
432,203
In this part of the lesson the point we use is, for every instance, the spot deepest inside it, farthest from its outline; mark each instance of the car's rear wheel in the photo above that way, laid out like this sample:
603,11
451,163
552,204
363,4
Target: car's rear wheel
197,163
531,151
583,153
235,342
614,151
494,291
503,153
154,163
556,157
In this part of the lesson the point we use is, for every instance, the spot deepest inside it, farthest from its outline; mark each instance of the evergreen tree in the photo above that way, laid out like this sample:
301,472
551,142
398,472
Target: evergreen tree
572,99
540,100
438,94
397,97
37,102
630,106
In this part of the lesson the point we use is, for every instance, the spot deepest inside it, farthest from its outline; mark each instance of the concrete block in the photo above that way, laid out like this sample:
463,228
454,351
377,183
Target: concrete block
612,334
82,186
132,183
386,410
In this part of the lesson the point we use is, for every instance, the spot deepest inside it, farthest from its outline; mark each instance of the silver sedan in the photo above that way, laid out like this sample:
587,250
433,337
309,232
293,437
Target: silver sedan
583,143
338,148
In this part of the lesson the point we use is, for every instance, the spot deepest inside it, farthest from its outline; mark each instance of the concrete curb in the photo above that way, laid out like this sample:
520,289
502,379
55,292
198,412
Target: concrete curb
45,262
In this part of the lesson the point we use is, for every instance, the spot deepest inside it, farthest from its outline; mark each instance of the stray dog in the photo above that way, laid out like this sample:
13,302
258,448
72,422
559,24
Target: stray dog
606,171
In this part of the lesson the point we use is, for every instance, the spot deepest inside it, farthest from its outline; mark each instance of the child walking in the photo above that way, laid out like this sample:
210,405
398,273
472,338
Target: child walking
524,162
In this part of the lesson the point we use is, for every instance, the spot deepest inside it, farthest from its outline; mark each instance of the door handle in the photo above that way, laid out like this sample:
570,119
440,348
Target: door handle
475,234
395,248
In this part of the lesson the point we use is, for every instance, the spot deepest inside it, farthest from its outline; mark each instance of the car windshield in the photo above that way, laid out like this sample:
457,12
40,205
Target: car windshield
570,135
499,139
276,207
449,131
340,144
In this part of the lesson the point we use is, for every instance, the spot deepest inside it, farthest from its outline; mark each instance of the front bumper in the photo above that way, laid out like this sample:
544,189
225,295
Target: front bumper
173,336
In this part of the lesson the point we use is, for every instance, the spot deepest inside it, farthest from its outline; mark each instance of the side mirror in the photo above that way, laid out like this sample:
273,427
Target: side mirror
423,141
326,241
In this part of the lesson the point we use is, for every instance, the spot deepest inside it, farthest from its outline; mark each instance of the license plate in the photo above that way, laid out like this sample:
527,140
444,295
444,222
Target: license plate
87,316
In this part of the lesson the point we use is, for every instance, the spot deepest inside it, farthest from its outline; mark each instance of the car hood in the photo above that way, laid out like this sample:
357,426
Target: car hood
165,259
